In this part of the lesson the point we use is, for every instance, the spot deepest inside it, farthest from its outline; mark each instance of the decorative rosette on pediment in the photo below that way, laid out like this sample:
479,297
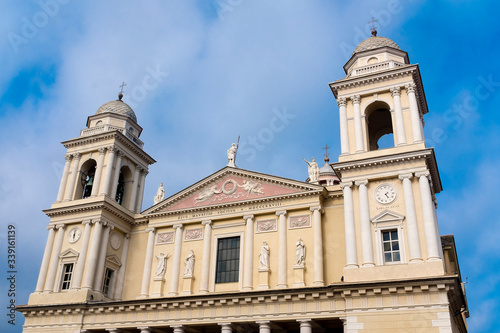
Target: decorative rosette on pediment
229,186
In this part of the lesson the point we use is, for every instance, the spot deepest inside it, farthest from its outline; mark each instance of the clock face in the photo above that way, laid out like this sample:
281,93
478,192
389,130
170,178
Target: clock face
115,240
385,193
74,235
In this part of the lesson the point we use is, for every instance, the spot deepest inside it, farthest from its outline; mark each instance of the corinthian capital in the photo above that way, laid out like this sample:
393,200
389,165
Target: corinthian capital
341,101
345,184
356,99
68,157
395,91
410,87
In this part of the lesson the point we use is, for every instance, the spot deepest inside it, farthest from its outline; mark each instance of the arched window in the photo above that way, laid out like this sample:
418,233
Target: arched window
123,187
87,175
379,125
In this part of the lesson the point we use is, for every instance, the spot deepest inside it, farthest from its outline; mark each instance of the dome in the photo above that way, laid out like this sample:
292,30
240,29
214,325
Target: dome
118,107
375,42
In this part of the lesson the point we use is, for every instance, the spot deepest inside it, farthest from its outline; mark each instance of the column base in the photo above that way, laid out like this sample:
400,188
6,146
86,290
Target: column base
281,286
299,272
368,264
351,266
415,261
319,283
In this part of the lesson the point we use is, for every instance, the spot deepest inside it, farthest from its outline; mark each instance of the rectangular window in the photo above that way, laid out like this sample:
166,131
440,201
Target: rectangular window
107,281
66,278
228,260
390,245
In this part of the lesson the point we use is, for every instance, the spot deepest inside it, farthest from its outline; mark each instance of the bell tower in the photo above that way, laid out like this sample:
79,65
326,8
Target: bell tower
388,176
99,197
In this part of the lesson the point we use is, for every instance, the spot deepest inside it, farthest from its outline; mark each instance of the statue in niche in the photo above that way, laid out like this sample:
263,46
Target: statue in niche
162,264
313,170
188,269
300,253
160,195
231,154
264,256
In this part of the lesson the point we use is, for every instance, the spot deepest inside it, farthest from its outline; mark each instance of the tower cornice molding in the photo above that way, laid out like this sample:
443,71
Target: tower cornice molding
98,138
384,76
426,154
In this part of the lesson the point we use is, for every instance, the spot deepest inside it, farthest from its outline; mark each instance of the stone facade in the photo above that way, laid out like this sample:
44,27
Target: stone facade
245,251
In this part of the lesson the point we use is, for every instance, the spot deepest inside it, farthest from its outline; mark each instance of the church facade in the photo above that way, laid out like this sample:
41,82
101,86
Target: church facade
354,248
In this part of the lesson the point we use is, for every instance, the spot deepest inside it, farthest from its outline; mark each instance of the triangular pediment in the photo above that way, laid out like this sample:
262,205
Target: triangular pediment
231,185
69,254
387,216
113,260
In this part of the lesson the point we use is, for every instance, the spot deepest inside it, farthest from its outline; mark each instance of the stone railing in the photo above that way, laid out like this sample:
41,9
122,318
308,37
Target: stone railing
109,128
375,68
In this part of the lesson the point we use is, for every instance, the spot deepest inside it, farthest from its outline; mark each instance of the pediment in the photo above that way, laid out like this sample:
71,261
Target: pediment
387,216
69,253
231,185
113,260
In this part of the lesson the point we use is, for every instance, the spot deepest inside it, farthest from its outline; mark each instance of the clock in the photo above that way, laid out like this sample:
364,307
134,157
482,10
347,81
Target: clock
385,193
74,235
115,240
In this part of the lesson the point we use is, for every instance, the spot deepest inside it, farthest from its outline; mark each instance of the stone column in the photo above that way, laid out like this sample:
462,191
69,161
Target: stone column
68,194
108,171
88,280
318,246
350,230
358,128
366,228
54,260
344,132
398,114
248,268
176,262
116,176
411,219
101,261
80,264
416,126
205,265
45,261
282,265
140,195
135,186
121,274
225,327
98,172
305,325
64,178
146,274
431,238
264,326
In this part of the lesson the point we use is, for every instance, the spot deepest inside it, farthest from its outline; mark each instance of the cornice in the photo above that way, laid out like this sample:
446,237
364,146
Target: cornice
427,154
381,76
89,207
337,290
100,137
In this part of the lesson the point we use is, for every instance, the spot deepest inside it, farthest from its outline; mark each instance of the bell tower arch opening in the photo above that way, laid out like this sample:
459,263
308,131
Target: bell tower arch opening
124,187
87,175
379,126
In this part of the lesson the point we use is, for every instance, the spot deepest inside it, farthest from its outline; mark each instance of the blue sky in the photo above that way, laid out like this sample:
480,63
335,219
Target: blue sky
200,73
